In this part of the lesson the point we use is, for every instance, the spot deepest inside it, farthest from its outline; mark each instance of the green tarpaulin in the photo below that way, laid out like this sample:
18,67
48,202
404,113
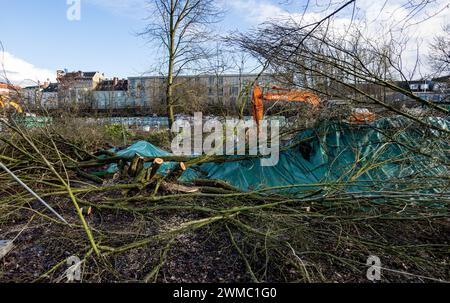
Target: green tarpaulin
357,157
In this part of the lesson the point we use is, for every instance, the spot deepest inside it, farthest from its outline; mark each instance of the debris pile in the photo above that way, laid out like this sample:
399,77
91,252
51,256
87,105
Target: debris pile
137,216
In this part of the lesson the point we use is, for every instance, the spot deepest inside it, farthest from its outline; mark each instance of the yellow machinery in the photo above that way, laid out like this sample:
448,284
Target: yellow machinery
6,104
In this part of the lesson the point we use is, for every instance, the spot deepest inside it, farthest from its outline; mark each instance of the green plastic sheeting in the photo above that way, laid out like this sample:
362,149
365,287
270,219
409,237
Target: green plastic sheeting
146,149
31,122
335,155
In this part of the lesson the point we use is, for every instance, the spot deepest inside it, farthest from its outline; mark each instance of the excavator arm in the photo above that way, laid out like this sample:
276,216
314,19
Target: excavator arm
281,94
358,115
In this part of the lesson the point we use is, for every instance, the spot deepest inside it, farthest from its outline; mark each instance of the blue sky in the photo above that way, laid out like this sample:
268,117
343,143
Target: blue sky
39,39
39,33
104,39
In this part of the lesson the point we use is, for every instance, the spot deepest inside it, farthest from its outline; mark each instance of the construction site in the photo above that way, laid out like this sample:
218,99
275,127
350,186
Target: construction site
357,189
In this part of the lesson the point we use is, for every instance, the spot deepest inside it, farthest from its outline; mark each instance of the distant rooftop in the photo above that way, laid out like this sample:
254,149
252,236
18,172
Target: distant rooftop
442,79
9,86
79,75
203,76
113,85
51,88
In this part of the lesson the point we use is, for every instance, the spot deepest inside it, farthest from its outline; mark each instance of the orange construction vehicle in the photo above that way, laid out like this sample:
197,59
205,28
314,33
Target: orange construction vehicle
281,94
358,116
361,116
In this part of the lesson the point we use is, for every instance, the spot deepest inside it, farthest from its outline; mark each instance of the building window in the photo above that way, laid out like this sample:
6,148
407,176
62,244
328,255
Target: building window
414,86
138,89
142,88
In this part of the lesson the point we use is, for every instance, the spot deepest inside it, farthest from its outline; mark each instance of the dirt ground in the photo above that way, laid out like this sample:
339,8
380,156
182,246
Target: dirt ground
208,255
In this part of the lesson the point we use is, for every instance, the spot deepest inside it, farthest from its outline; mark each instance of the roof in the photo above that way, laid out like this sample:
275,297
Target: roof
33,87
442,79
113,85
89,74
51,88
77,75
9,86
425,81
204,76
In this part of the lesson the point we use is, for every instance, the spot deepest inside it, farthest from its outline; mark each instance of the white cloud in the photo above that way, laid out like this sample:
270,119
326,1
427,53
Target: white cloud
382,20
256,12
417,27
21,72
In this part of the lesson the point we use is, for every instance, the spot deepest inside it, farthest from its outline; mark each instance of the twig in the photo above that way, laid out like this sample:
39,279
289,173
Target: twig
32,192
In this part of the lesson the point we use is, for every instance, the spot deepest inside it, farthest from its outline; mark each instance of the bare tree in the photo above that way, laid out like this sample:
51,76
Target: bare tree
348,64
182,28
191,95
218,65
440,52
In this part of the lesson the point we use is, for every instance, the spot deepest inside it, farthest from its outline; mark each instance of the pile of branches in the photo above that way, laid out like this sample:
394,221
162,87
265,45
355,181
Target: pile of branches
139,226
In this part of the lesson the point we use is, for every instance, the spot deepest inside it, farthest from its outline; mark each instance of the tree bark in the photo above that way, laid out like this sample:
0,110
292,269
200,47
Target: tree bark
169,88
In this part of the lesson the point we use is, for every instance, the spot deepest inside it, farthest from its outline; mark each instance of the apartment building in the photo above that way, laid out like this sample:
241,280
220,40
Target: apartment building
77,87
112,94
91,91
193,91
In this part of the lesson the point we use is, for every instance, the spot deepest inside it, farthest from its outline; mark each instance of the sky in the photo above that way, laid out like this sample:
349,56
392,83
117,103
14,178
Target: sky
38,38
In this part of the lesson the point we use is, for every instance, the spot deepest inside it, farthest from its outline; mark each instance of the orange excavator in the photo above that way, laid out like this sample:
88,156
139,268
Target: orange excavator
358,116
280,94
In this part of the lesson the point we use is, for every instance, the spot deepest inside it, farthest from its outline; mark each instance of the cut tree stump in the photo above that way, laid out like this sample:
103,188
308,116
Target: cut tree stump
155,167
136,167
179,169
147,175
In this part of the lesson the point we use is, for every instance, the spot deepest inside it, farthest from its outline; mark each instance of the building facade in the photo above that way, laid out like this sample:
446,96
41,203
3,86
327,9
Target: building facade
49,98
436,90
75,88
32,96
38,96
112,95
193,92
